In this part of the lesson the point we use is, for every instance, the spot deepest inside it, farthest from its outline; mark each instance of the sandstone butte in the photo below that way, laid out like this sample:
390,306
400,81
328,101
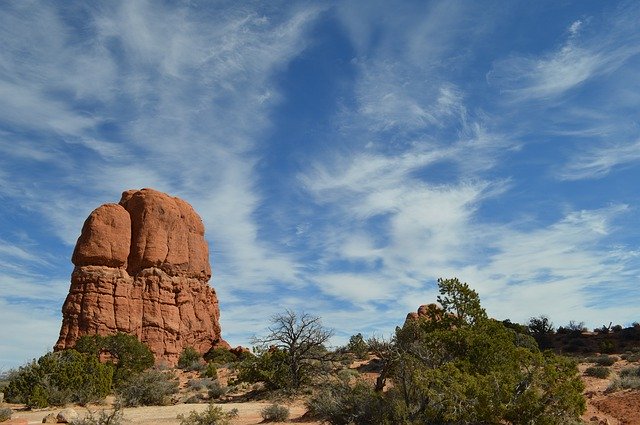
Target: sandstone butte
142,268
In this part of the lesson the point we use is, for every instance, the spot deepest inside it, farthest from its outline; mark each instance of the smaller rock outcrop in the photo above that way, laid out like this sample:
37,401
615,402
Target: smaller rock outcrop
427,311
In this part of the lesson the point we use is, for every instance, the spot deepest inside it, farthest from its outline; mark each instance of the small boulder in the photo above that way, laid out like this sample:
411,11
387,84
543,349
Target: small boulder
51,418
67,416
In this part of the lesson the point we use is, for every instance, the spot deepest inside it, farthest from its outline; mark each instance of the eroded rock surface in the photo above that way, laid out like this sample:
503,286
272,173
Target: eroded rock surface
142,267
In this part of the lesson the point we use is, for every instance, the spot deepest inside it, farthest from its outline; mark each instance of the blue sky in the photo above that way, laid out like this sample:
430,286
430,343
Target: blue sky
343,155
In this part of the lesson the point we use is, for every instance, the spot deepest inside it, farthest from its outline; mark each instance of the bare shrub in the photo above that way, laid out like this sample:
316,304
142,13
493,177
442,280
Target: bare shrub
5,414
275,413
601,372
104,417
149,388
216,390
603,360
213,415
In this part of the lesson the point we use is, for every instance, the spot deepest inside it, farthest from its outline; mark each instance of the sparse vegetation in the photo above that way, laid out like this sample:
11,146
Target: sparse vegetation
340,404
213,415
149,388
103,417
291,354
220,356
60,378
5,414
210,371
601,372
268,366
190,360
275,413
603,360
607,346
630,371
541,328
458,366
126,353
358,346
629,379
572,328
215,390
631,356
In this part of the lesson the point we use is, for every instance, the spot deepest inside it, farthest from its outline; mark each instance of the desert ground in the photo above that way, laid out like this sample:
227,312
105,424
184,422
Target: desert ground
617,408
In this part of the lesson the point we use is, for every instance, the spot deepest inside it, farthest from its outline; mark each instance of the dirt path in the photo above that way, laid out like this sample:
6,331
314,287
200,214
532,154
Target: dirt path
248,413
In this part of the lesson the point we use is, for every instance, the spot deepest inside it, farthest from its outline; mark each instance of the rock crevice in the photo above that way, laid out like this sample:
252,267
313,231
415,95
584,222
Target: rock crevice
142,267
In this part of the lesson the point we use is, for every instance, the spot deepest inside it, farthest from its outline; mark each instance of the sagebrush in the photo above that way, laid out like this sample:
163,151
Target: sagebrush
275,413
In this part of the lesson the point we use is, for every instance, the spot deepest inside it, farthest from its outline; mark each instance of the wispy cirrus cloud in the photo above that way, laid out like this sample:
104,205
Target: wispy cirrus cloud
599,161
103,98
578,60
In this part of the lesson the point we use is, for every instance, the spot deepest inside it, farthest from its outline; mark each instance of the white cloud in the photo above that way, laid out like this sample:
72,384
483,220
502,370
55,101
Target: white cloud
28,332
599,161
575,62
186,94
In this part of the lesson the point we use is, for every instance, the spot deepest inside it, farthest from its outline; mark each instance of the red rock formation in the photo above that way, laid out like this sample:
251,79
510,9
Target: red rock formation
142,267
431,312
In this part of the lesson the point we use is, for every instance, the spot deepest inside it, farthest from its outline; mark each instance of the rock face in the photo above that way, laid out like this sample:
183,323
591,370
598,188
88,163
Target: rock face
142,267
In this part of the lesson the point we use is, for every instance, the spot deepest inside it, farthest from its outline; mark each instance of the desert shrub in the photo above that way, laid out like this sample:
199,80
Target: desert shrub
606,346
127,354
601,372
189,359
631,357
630,371
149,388
210,371
346,375
630,378
104,417
216,390
631,381
340,404
459,366
193,399
196,384
59,378
521,329
5,414
541,328
358,346
268,366
220,355
603,360
275,413
213,415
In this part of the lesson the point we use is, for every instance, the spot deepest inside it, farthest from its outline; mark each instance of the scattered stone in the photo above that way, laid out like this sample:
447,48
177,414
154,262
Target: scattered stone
67,416
51,418
142,268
